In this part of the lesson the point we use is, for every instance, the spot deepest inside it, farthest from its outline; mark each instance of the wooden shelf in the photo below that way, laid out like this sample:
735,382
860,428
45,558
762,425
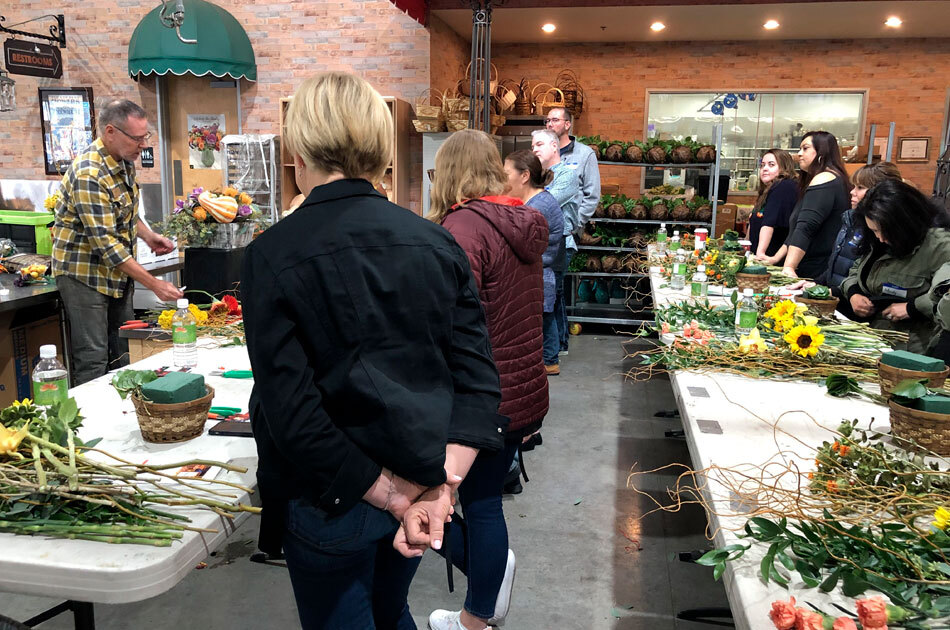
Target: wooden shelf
396,182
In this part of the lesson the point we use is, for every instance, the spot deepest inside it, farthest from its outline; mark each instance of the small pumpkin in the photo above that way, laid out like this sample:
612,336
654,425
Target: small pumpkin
222,209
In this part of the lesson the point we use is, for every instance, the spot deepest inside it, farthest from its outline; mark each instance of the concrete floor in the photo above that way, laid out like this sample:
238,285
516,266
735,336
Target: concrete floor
576,570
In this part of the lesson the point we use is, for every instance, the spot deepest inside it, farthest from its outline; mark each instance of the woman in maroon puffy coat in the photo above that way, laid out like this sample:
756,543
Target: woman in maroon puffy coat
504,241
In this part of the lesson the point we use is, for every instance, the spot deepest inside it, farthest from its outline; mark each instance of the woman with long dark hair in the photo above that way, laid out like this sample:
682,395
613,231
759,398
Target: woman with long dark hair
815,221
905,242
778,193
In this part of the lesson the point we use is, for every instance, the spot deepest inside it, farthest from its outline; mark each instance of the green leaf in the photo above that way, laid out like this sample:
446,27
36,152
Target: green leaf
717,572
712,558
766,527
787,562
910,388
831,581
854,584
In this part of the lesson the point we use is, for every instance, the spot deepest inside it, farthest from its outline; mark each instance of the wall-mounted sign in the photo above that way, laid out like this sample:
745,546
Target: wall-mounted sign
148,157
37,60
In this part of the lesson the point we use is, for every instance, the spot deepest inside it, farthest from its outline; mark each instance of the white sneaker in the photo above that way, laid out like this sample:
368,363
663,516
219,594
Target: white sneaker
562,353
446,620
503,603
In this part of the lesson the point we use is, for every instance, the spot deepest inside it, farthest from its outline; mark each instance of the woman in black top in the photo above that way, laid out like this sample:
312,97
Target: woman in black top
778,192
816,219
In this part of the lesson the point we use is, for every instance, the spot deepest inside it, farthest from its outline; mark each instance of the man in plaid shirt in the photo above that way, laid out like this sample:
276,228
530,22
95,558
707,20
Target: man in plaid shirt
94,242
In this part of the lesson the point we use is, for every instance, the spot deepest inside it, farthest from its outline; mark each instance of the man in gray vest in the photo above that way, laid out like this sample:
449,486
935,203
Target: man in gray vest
581,159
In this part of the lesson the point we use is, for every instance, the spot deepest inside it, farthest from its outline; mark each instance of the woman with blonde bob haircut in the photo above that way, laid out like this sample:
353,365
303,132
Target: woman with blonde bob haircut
504,241
374,385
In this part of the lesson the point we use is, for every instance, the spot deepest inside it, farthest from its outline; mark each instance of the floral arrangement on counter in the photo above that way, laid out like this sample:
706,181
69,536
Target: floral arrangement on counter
196,219
219,318
31,274
52,201
49,487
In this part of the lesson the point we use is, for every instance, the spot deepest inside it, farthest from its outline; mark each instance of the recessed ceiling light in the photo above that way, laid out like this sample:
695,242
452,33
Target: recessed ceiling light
770,25
548,28
657,26
893,21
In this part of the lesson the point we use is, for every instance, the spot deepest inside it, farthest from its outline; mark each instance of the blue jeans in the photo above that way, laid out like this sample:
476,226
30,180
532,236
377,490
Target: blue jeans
560,308
552,338
479,536
344,570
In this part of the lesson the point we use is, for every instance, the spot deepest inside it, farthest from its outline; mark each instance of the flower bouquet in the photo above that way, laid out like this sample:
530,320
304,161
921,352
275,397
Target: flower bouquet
223,220
205,140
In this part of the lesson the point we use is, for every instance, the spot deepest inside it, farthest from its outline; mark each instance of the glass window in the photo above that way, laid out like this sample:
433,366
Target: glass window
755,122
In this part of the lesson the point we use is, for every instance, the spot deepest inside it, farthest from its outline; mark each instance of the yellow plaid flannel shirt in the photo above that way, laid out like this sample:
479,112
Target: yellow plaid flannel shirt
95,223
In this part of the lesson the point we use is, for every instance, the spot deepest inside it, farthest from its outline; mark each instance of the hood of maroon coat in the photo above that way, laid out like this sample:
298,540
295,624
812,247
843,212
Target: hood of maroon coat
516,222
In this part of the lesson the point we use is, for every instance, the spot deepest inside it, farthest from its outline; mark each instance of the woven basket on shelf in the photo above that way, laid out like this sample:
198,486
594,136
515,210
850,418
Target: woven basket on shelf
890,377
428,126
825,307
176,422
930,430
758,282
546,97
426,112
465,84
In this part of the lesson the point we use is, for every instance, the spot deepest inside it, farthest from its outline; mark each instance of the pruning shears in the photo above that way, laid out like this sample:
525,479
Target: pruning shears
232,373
224,412
134,324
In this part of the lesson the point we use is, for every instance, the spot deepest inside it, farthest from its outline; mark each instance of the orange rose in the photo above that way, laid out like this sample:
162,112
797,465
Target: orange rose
783,614
807,620
200,214
844,623
872,612
245,199
230,192
201,144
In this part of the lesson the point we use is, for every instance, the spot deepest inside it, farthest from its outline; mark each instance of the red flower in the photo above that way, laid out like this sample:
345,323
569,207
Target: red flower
844,623
807,620
234,307
872,612
783,614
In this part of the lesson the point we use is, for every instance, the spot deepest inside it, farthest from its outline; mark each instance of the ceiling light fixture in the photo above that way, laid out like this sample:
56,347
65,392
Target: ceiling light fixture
770,25
657,27
893,22
548,28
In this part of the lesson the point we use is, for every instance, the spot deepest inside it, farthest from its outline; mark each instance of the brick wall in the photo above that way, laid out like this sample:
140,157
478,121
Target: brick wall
907,79
291,41
448,55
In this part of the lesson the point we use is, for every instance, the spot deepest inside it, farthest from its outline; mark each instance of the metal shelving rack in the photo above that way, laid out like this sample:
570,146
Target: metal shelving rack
588,312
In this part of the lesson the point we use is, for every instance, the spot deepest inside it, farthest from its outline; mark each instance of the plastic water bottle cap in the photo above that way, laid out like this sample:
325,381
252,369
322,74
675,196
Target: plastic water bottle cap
182,302
48,352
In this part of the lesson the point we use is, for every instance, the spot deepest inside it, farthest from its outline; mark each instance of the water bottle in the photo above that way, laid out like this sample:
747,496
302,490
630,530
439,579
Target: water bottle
699,287
50,381
675,241
184,336
678,275
747,313
661,239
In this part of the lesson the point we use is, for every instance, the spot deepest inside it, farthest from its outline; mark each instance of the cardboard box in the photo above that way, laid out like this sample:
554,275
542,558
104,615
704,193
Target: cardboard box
22,333
725,218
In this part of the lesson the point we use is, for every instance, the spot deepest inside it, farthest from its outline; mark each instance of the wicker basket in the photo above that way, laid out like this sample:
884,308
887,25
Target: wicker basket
825,307
176,422
426,112
758,282
465,85
456,124
546,99
890,377
428,126
929,430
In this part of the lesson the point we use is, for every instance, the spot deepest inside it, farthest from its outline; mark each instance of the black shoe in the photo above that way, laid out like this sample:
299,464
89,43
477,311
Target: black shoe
513,488
534,440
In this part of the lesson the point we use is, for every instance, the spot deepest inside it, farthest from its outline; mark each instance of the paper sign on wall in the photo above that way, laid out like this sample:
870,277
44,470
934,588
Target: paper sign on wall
204,140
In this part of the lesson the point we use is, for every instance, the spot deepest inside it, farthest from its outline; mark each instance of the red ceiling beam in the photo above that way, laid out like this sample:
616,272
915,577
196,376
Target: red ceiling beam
435,5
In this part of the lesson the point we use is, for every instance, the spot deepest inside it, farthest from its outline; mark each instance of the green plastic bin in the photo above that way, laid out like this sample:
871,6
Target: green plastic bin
39,221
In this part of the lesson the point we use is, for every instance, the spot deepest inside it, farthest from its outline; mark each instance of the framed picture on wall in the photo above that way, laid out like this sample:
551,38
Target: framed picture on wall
68,124
913,149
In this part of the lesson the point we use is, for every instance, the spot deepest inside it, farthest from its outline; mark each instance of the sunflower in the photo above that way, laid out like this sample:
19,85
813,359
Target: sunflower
805,340
941,518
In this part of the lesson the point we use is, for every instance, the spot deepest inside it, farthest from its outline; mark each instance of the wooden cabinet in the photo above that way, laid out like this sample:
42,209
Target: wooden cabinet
396,181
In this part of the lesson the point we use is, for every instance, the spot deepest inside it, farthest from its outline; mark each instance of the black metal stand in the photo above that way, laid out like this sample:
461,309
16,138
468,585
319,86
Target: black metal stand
84,617
479,108
941,193
57,32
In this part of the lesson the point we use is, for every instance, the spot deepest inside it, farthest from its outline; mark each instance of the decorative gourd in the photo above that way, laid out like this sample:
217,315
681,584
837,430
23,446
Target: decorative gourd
222,209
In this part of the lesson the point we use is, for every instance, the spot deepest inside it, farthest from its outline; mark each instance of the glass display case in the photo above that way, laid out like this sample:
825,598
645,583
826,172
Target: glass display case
754,122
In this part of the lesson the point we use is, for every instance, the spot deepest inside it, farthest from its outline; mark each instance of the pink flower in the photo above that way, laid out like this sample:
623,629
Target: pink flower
844,623
783,614
807,620
872,612
665,328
